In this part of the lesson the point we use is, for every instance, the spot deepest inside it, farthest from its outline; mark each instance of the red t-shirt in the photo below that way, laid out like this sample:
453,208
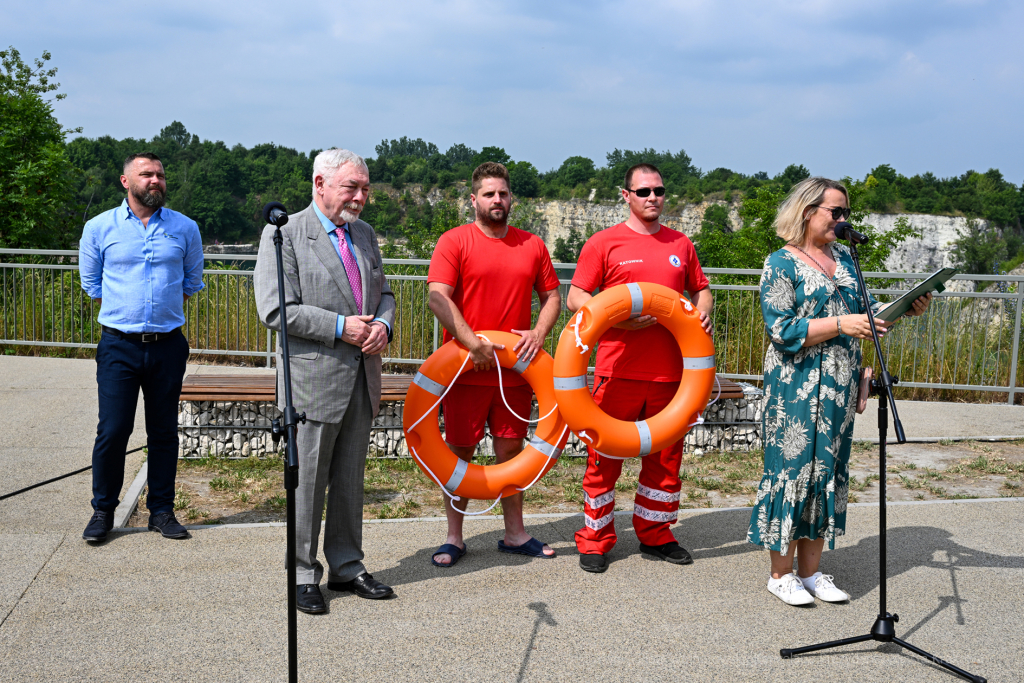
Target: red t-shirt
494,280
617,256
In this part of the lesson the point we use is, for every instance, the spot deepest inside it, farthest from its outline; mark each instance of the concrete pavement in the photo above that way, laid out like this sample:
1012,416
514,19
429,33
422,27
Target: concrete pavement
213,608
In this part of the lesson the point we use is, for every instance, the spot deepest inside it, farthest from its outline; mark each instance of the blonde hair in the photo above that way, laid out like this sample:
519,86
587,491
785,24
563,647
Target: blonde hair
790,223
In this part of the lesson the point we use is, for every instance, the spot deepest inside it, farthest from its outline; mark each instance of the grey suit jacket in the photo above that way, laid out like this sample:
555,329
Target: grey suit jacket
317,291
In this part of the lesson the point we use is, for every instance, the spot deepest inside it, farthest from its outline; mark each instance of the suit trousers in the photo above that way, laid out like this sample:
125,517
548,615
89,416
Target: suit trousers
124,366
332,462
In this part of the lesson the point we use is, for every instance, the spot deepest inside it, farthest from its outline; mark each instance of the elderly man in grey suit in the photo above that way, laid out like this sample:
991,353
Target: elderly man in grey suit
340,310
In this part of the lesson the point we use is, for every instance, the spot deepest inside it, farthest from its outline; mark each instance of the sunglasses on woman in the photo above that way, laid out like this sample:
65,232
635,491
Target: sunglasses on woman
646,191
838,212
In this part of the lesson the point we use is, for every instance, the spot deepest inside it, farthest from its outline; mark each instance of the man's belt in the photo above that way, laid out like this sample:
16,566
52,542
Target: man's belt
144,337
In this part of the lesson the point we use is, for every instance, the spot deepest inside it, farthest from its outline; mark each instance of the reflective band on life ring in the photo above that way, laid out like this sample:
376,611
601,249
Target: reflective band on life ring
470,480
595,427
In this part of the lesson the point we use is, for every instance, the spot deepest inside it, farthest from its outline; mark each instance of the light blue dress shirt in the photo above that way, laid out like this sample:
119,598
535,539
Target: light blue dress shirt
141,272
330,228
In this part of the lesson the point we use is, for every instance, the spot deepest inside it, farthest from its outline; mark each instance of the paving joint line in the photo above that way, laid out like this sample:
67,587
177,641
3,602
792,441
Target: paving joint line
34,577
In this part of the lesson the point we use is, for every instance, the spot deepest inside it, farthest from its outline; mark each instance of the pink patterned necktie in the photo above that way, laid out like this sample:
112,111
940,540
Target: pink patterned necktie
355,280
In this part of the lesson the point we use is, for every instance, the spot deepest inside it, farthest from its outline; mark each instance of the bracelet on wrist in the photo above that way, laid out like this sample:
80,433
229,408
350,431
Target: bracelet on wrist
839,325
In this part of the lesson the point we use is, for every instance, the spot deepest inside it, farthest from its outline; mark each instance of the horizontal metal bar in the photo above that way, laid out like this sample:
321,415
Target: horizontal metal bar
956,387
222,352
408,262
65,345
41,252
39,266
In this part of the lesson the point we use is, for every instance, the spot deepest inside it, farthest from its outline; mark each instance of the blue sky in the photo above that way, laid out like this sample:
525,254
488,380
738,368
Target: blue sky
924,85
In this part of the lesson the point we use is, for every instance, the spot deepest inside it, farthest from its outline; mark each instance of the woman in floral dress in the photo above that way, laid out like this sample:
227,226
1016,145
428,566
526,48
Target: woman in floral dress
815,319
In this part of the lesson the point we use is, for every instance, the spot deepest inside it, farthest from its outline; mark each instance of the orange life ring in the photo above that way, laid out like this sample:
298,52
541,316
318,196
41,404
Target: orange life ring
470,480
617,437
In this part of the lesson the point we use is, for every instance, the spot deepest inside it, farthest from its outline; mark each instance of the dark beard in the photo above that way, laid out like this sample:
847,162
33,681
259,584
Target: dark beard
486,219
153,199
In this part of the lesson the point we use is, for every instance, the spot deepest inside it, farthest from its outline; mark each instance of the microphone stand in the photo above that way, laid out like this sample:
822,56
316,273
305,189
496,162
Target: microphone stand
291,464
884,629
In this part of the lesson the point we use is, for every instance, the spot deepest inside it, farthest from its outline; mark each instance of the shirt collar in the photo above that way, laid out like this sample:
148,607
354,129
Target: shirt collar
328,225
128,213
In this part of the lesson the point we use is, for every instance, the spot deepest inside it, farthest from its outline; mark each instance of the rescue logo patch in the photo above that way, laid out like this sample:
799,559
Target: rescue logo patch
674,260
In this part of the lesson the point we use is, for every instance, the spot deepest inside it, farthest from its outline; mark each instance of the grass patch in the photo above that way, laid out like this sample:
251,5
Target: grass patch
406,509
858,485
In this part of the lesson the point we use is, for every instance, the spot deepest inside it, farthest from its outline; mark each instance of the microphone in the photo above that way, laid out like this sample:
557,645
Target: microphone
275,213
844,231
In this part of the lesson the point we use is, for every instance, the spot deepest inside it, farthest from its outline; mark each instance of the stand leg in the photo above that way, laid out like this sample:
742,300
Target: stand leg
293,644
935,660
788,653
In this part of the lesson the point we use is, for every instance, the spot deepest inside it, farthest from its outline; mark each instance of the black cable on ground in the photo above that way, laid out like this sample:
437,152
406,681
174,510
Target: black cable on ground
63,476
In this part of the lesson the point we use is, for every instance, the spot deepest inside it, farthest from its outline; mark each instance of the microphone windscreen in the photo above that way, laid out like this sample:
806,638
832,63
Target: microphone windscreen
269,208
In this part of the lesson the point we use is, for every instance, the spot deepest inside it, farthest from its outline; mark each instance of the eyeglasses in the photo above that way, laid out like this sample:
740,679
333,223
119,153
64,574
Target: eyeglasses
646,191
837,211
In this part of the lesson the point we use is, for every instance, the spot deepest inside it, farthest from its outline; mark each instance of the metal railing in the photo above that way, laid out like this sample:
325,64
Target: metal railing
969,341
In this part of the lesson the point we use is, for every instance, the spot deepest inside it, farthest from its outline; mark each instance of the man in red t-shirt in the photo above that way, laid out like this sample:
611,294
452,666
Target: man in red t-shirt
482,277
638,367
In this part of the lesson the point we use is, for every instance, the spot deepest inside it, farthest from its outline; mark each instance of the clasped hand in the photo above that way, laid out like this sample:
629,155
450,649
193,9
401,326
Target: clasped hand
361,331
640,322
529,345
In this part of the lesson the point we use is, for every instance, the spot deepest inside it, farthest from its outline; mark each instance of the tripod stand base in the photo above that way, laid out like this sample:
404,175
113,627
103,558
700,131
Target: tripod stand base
884,631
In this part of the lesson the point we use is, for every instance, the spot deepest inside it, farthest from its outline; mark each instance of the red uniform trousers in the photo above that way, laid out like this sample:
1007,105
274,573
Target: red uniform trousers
656,505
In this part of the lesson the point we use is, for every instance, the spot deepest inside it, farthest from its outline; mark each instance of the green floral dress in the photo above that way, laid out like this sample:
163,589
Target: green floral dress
810,399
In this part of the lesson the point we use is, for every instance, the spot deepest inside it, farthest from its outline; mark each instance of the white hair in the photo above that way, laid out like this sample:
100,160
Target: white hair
329,161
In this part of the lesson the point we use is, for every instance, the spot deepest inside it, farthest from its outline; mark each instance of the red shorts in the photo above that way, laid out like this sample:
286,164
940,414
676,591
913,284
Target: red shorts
467,407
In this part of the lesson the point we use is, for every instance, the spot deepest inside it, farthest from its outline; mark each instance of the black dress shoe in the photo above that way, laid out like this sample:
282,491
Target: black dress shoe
167,525
364,585
670,552
97,528
593,562
309,599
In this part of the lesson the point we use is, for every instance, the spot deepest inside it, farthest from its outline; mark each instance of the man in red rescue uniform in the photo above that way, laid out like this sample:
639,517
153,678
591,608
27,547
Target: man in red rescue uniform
638,367
482,277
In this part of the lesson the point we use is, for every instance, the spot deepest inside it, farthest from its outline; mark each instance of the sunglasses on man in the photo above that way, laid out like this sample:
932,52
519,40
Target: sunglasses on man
646,191
838,212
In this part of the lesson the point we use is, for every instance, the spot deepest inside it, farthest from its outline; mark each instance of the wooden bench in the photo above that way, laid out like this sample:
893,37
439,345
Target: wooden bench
393,388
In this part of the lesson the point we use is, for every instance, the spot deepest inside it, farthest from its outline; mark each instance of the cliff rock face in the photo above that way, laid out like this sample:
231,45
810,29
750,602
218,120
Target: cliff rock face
557,218
929,253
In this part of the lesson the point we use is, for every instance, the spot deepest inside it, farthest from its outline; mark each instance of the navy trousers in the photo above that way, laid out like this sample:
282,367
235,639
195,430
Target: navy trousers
123,367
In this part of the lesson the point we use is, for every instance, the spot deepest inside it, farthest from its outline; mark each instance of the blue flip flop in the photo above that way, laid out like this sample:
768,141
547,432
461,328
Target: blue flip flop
451,550
533,548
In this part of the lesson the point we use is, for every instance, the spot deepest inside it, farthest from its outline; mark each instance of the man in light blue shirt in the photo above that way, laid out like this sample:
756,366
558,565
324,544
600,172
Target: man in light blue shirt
141,261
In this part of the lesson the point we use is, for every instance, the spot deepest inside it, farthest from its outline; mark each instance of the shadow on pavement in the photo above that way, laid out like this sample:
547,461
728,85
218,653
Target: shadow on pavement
909,548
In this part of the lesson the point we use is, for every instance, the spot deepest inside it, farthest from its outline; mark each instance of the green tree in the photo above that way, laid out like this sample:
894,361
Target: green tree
575,171
567,249
495,154
977,250
524,179
423,237
37,193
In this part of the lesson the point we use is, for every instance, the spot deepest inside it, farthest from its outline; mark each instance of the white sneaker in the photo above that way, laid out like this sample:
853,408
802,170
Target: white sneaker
790,590
820,586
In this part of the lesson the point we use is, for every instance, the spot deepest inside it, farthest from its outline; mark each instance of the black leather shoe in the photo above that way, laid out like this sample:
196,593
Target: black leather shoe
364,585
97,528
309,599
593,562
167,525
670,552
